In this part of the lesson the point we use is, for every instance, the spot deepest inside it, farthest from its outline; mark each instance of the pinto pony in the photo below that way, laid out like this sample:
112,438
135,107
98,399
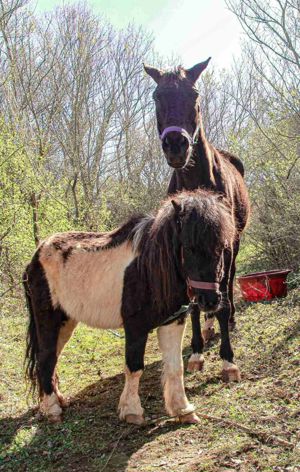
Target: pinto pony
198,164
133,277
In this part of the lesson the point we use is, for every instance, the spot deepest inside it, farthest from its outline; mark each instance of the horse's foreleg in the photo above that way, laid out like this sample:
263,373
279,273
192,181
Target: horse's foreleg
230,371
196,360
130,408
232,322
170,339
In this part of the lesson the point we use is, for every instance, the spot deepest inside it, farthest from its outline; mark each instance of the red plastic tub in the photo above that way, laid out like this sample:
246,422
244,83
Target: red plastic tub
264,285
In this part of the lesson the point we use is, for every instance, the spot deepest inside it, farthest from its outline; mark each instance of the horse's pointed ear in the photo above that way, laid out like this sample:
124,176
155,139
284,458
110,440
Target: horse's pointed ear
177,207
156,74
194,73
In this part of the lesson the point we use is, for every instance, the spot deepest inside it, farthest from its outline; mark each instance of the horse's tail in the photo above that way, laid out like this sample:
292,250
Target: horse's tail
30,361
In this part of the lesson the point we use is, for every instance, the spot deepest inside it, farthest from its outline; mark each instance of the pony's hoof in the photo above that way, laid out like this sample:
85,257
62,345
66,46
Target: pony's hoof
135,419
232,374
64,402
195,366
54,418
191,418
208,334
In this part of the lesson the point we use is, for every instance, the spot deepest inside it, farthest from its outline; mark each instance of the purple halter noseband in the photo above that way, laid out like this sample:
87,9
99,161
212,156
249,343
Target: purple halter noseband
180,130
203,285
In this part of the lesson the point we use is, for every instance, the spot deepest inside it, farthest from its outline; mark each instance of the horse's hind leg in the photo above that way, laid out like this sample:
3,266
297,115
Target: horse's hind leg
196,360
42,338
170,339
208,331
65,332
49,323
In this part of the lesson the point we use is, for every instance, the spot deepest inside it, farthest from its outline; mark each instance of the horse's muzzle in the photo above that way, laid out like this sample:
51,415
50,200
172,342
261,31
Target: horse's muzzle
208,300
177,150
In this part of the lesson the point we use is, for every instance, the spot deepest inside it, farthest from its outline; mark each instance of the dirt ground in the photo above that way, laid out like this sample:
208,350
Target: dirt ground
250,426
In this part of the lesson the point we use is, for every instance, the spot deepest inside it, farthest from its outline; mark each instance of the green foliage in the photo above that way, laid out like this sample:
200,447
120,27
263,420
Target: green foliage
36,203
22,178
271,160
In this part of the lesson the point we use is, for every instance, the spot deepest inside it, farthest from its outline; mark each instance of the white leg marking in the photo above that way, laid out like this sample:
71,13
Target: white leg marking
209,323
195,362
208,331
130,403
50,406
170,342
230,372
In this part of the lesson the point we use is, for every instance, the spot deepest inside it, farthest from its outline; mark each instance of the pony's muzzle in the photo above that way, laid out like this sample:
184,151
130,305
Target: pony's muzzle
176,148
208,300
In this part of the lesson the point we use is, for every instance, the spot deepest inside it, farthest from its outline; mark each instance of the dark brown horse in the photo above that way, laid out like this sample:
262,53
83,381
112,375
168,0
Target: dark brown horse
198,163
133,277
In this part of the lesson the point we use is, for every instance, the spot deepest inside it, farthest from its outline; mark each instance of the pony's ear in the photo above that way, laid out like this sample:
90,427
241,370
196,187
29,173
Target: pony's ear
156,74
194,72
177,207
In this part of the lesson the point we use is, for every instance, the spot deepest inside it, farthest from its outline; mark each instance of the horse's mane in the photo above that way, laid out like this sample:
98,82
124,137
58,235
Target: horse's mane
158,258
159,245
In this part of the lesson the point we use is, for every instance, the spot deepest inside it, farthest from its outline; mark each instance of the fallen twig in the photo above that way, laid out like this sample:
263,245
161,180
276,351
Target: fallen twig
262,435
123,435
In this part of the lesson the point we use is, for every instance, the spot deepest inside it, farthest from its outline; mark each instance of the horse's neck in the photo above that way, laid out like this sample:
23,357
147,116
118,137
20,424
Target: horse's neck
201,171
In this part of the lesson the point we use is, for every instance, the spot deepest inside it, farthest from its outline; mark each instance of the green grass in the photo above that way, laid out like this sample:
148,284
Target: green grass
266,347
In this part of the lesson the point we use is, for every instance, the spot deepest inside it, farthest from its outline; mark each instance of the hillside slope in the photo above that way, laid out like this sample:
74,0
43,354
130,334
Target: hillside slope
250,426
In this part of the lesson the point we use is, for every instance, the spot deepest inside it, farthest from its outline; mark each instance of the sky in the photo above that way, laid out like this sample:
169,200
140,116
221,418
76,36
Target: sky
191,30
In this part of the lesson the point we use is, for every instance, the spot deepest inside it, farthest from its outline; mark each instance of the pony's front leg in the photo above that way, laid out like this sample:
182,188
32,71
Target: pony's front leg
170,339
130,408
196,360
230,371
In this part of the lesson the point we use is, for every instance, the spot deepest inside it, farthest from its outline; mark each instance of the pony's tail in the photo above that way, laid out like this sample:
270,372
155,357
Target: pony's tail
30,360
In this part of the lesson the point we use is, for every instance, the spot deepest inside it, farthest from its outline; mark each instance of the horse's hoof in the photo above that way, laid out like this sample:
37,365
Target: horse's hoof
232,374
54,418
64,402
195,366
191,418
135,419
208,334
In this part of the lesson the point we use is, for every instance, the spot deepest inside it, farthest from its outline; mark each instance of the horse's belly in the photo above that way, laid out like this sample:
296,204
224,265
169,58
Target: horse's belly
105,314
89,287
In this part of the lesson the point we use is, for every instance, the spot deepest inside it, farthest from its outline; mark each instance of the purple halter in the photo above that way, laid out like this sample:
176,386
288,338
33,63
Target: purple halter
180,130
